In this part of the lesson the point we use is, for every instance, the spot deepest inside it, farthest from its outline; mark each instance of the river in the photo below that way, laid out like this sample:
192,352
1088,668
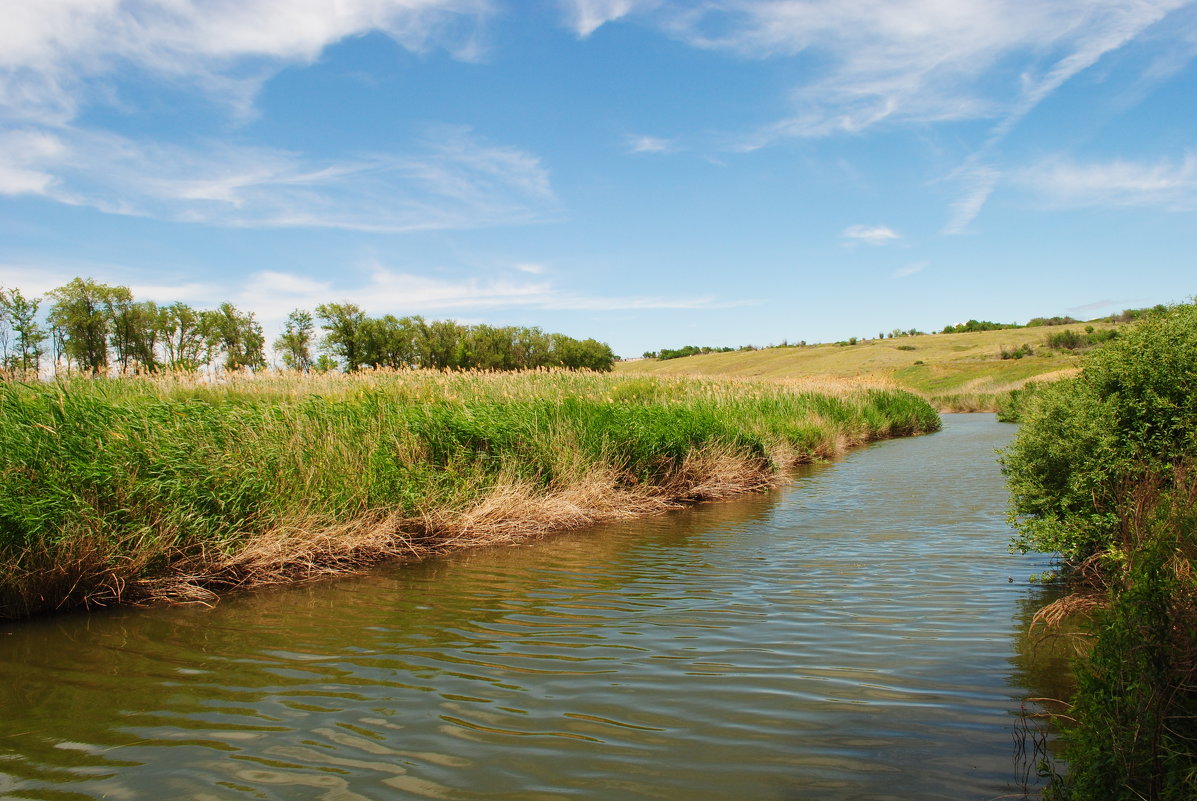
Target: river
858,634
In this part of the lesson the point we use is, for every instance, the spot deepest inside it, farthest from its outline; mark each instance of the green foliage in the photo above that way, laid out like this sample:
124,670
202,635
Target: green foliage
1010,405
81,313
1073,340
1101,472
976,325
18,320
143,473
1131,315
1035,322
1017,353
1135,707
358,341
687,350
295,343
1132,413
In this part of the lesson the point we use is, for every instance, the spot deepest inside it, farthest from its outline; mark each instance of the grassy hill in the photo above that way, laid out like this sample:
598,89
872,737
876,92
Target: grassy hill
957,372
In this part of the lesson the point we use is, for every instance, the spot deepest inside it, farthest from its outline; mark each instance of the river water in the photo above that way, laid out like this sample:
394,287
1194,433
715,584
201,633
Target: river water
859,634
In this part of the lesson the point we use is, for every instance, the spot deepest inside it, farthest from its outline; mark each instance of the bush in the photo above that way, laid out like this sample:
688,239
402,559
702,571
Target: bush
1130,414
1103,471
1018,353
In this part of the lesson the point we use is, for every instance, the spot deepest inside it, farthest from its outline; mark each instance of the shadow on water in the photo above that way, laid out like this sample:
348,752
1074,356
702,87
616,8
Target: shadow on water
858,634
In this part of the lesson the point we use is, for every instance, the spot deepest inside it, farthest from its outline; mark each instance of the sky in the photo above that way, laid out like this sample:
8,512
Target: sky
649,173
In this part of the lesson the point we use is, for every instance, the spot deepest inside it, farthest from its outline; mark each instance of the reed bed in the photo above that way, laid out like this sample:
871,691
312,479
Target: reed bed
179,488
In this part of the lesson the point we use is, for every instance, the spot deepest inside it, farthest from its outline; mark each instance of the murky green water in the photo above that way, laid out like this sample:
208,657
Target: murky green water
854,636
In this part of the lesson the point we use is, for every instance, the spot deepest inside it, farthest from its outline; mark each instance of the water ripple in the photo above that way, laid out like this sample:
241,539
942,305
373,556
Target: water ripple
854,636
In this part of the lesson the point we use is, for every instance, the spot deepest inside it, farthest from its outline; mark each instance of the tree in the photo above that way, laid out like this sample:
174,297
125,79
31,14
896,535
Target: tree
343,323
81,317
239,337
295,343
135,333
18,315
183,333
439,344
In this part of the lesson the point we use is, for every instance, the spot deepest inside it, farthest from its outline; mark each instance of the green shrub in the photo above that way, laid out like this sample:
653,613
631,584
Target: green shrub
1131,413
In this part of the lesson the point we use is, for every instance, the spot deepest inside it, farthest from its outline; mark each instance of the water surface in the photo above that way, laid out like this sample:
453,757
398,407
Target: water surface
856,635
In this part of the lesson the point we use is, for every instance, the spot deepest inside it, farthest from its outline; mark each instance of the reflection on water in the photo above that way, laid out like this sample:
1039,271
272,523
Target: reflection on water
856,635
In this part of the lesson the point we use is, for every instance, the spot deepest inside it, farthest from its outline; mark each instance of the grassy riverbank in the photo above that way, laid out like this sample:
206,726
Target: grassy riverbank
134,489
963,372
1103,472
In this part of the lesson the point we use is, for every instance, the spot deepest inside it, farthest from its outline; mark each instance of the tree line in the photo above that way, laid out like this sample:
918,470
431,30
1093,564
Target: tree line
92,327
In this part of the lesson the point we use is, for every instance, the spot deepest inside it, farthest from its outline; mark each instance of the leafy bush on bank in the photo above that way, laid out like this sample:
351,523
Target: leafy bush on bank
1101,472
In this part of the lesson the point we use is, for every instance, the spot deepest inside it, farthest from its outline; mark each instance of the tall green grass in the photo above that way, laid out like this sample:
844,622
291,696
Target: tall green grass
110,485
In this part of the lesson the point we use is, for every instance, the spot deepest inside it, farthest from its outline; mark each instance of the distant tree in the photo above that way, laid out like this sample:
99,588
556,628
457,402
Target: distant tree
81,316
295,343
135,332
342,323
441,343
183,333
18,317
239,337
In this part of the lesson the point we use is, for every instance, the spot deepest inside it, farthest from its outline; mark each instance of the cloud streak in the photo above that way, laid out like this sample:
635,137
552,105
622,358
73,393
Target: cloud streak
915,61
275,294
59,57
450,179
1169,184
56,53
871,234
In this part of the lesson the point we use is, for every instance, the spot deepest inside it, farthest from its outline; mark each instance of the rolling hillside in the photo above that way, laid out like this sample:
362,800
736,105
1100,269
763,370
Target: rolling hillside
964,372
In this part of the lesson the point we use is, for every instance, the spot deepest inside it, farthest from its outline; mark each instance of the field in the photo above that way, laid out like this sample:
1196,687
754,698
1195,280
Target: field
956,372
135,489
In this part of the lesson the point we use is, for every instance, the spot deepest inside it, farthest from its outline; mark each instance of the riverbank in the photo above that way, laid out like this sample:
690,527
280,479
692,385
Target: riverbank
1101,473
135,490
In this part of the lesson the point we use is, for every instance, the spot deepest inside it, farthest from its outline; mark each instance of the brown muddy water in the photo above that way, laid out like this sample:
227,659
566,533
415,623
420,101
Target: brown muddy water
859,634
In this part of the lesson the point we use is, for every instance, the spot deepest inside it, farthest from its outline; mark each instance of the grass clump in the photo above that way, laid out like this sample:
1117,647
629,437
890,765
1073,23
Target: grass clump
1102,473
168,487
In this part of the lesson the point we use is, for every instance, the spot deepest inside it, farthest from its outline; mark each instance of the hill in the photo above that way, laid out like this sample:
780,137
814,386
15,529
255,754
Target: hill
956,372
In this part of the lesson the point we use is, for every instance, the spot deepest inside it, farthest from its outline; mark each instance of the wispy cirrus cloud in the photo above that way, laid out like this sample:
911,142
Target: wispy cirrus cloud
1167,183
55,54
649,144
911,269
915,61
977,183
871,234
378,289
57,57
385,290
449,179
587,16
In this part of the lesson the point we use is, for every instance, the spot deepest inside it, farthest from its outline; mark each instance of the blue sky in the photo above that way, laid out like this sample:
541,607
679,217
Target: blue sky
646,172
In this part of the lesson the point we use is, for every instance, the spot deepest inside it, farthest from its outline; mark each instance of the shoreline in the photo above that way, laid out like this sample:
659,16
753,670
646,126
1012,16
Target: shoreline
184,499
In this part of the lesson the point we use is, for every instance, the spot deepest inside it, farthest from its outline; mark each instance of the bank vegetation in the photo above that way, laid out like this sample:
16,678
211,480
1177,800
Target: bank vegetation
1104,473
171,487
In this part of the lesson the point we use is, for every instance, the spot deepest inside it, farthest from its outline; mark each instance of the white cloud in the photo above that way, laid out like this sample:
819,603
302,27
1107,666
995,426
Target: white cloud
871,234
911,61
21,151
978,184
451,179
587,16
649,144
53,51
274,294
911,269
1062,182
58,55
532,268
